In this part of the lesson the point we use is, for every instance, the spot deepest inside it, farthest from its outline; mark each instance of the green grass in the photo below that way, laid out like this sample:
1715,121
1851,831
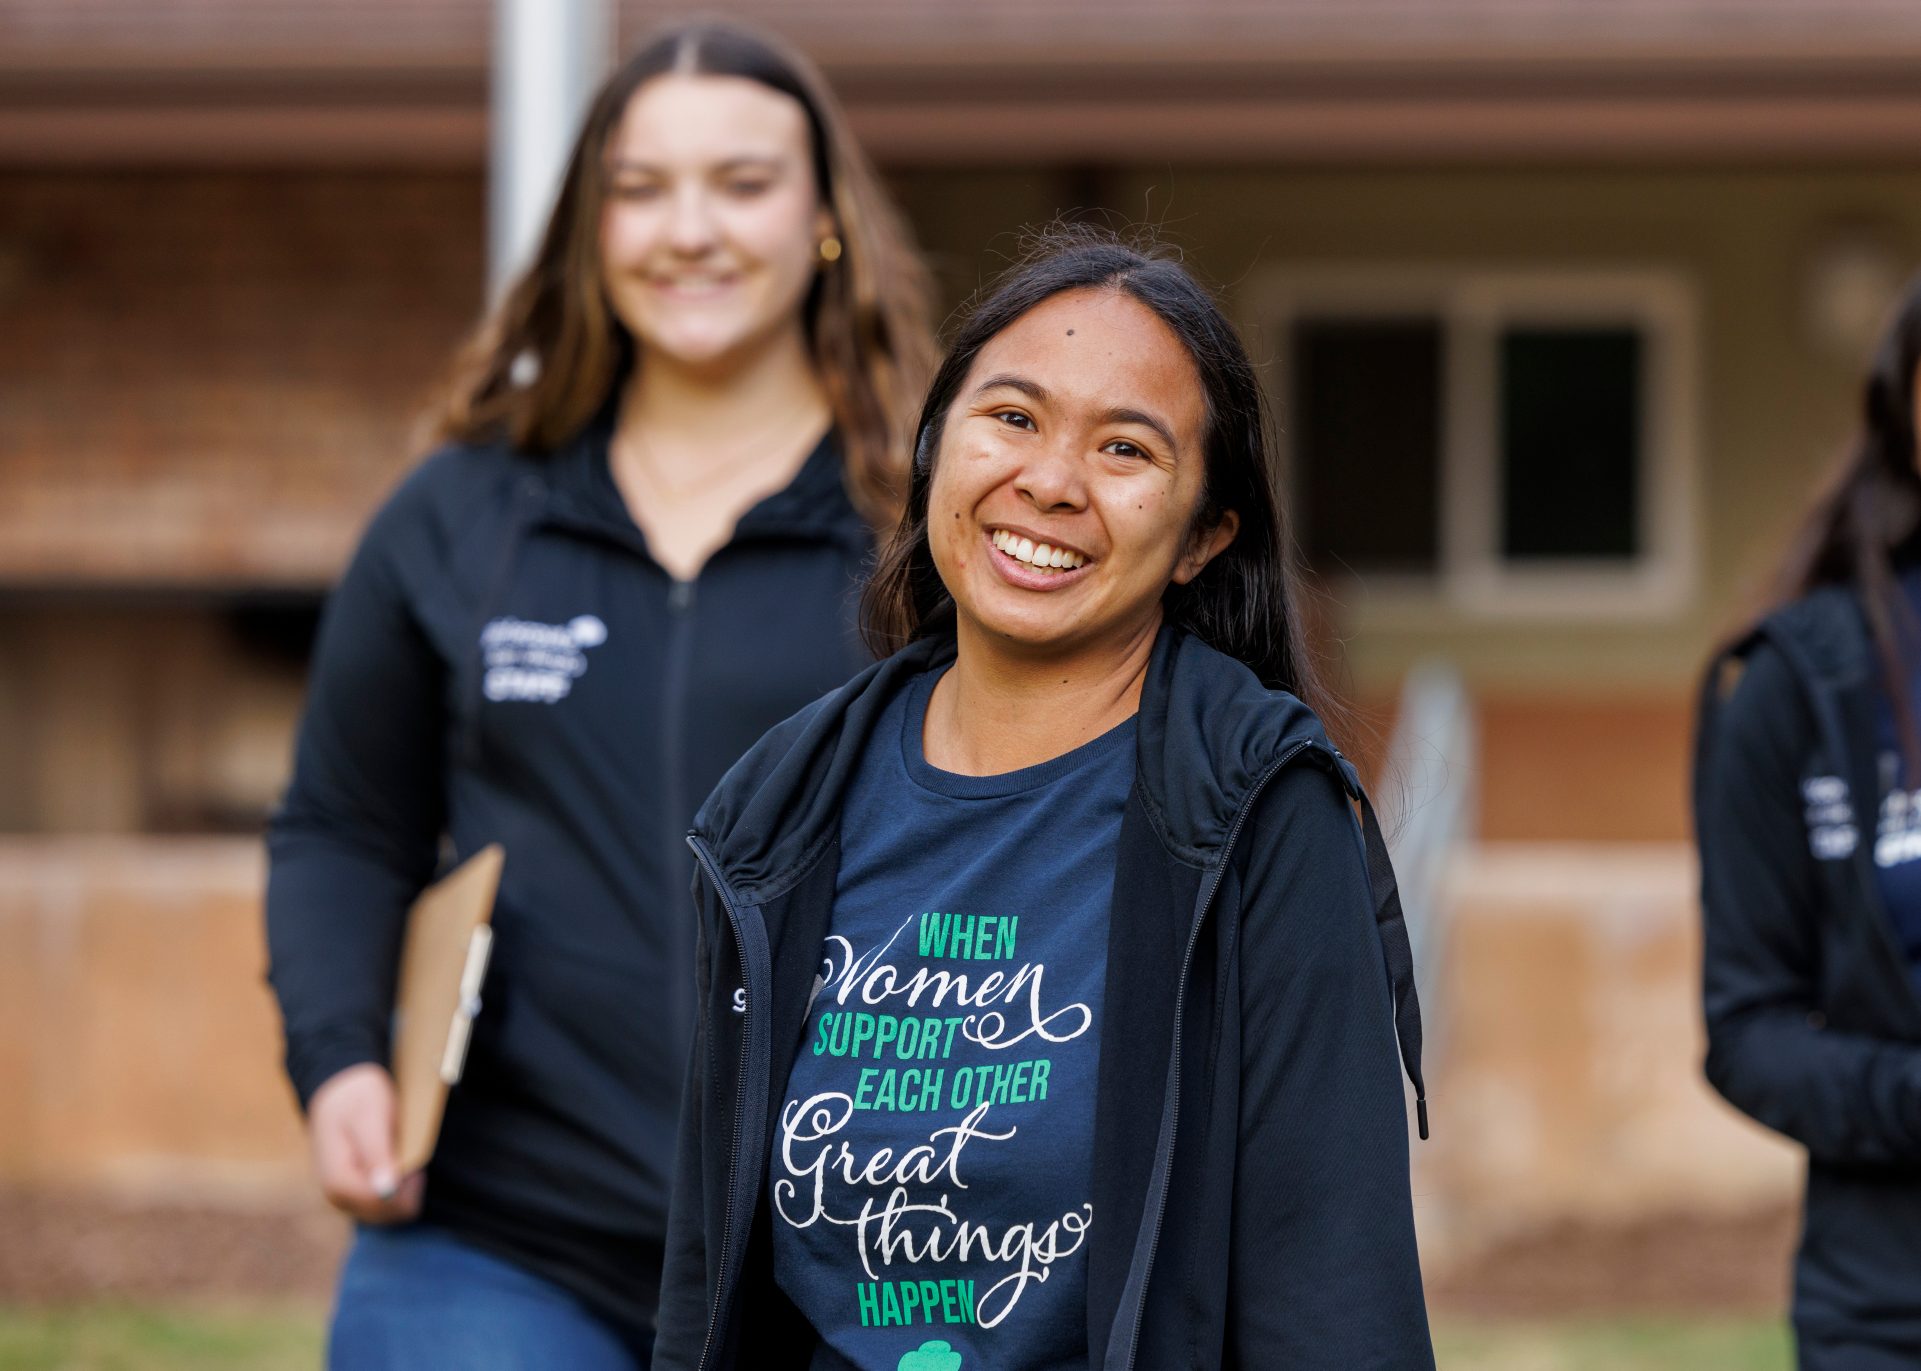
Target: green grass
123,1338
1643,1344
134,1338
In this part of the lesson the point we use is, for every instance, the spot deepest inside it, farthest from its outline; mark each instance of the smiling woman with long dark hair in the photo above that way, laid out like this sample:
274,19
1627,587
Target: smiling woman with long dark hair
669,452
1808,812
1050,986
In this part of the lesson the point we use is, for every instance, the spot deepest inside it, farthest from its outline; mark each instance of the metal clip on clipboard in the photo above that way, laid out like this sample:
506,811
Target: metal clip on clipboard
460,1032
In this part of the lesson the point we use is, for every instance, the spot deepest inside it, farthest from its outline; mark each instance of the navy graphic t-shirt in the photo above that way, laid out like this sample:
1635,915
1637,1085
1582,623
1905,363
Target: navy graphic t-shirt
930,1174
1897,830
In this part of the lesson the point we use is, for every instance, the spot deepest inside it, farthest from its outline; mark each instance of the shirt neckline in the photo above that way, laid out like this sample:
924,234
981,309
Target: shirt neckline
1030,778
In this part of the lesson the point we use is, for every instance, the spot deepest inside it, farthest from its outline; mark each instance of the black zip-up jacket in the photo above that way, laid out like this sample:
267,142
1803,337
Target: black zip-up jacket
1251,1196
504,662
1813,1025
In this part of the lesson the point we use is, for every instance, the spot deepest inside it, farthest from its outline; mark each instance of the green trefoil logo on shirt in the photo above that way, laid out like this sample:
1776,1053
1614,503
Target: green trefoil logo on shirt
931,1356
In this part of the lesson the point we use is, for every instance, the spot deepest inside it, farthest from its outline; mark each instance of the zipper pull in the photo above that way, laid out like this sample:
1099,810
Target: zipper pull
681,597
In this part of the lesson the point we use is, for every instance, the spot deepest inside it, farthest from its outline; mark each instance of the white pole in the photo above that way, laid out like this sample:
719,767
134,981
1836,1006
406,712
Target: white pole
549,56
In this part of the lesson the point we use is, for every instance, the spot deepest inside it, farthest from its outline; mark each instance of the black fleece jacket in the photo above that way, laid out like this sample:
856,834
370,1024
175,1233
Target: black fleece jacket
1813,1025
1251,1193
504,662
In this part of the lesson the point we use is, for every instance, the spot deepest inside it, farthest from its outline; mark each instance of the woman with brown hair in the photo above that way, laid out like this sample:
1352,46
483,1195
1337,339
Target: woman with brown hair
1808,812
668,453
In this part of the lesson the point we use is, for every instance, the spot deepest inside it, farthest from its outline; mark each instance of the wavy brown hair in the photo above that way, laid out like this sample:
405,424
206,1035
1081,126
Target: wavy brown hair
551,354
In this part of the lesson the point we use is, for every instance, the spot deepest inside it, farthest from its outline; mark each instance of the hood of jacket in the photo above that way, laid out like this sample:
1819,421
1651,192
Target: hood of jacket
1825,638
1207,732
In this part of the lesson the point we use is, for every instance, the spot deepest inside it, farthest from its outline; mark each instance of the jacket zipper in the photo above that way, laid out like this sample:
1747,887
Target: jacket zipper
677,667
676,671
707,865
1180,1014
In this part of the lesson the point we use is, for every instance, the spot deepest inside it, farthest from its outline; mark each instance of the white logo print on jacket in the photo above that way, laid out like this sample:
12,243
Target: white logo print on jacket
1830,817
537,662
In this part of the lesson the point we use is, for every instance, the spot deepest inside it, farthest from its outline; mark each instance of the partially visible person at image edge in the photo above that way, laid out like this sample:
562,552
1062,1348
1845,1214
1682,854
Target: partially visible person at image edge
1050,982
1808,811
668,452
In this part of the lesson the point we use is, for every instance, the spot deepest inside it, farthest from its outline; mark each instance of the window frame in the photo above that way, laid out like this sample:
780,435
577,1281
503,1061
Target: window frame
1473,305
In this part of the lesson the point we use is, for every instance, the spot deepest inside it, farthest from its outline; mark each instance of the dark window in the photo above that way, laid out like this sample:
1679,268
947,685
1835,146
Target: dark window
1570,445
1366,442
276,629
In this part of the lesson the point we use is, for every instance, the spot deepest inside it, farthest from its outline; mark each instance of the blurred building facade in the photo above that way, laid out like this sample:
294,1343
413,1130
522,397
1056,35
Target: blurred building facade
1562,308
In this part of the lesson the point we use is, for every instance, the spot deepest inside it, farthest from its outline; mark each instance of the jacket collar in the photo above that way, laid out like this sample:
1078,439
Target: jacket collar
1207,732
1826,637
580,492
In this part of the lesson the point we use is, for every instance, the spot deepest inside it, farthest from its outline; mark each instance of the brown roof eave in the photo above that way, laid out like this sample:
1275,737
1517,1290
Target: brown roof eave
1748,96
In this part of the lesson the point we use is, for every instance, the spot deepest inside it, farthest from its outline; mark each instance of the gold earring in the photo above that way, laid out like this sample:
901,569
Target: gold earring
830,249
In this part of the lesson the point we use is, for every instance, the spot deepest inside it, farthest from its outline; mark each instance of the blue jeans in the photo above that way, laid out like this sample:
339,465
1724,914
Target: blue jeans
416,1298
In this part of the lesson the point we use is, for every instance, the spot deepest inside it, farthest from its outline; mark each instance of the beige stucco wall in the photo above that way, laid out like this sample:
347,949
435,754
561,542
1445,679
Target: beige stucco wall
1566,1044
139,1047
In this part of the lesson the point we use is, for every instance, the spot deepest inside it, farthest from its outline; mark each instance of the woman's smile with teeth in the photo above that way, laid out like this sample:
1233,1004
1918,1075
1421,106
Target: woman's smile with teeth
1040,556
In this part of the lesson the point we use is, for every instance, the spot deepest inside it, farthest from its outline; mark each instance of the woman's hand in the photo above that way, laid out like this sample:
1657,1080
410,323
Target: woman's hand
350,1127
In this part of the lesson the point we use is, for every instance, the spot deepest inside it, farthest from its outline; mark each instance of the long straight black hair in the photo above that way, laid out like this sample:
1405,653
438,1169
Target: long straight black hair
1245,602
1867,518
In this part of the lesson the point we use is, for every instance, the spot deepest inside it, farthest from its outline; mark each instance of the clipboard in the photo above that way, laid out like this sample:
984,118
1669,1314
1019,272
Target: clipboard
442,964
